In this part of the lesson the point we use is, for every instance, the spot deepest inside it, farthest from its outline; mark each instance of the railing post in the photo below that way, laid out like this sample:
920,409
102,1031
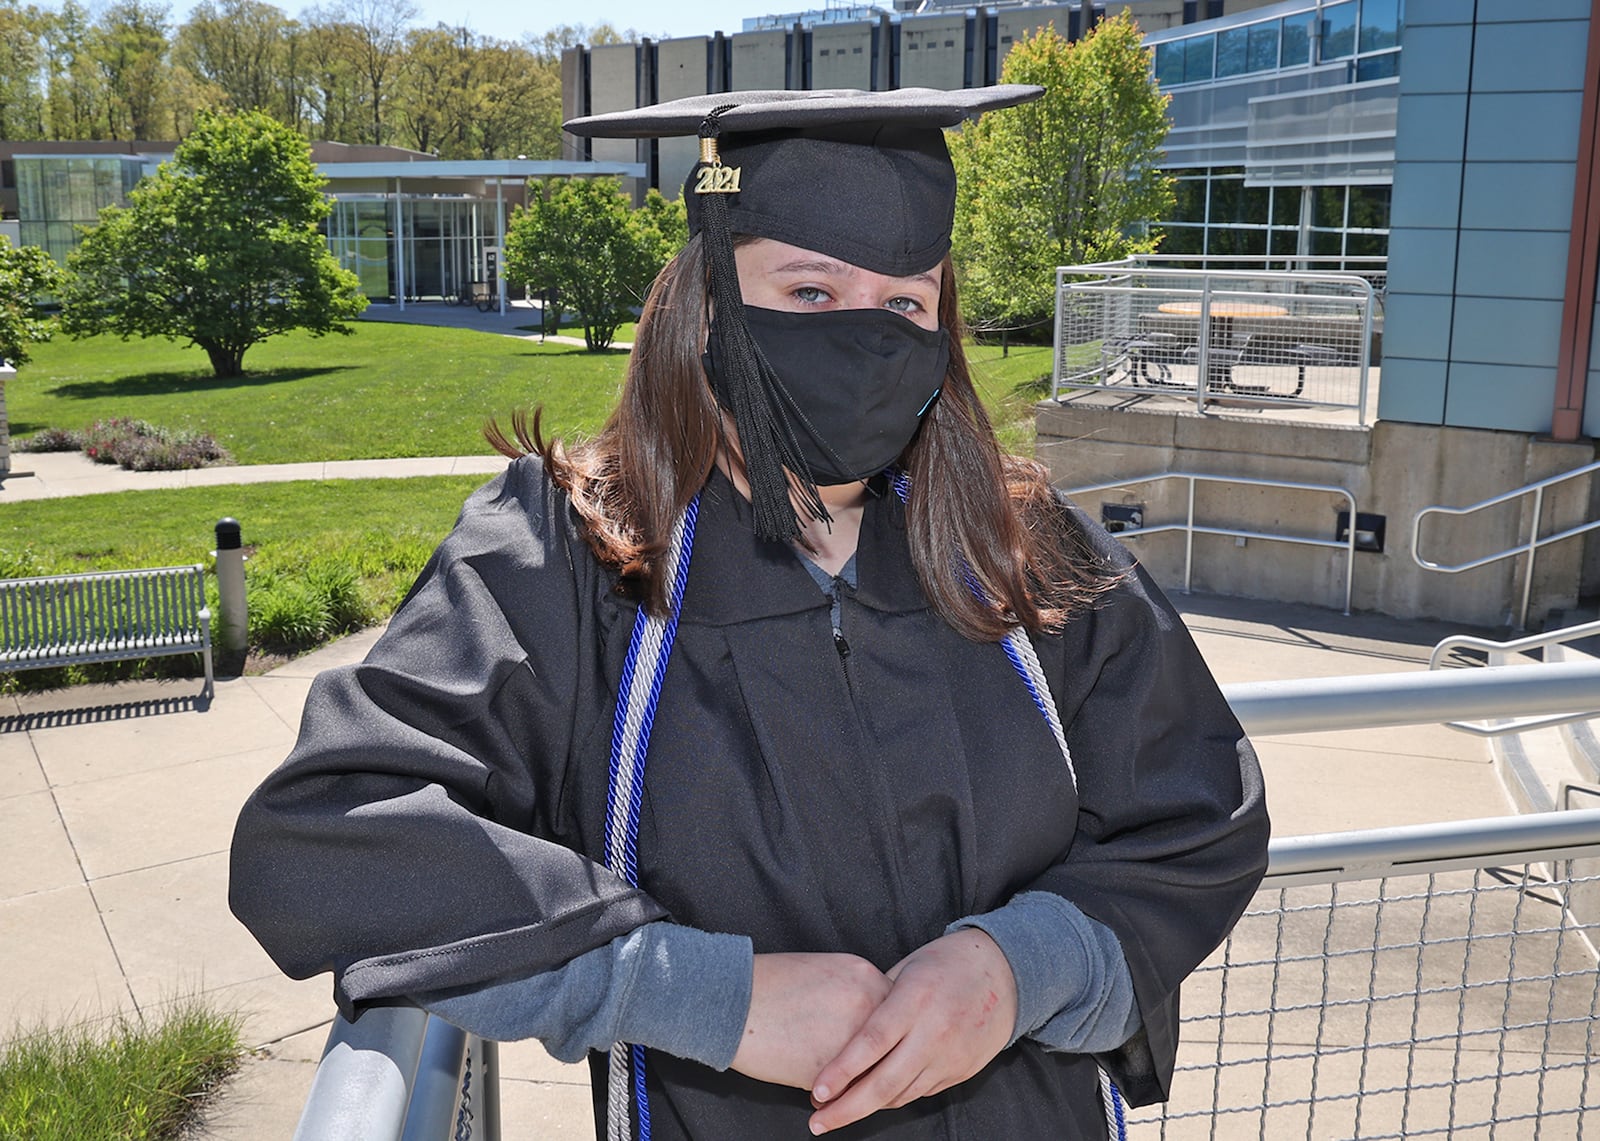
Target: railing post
1533,548
1366,354
1188,542
1203,349
1055,354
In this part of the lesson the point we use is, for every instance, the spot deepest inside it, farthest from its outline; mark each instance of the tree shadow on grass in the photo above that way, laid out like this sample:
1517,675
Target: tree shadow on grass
559,350
172,383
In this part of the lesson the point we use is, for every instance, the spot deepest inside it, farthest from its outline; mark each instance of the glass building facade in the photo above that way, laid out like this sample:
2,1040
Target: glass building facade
445,243
1283,129
57,194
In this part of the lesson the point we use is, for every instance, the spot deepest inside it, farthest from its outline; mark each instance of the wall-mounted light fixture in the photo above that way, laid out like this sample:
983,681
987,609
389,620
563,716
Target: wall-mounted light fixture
1370,530
1115,517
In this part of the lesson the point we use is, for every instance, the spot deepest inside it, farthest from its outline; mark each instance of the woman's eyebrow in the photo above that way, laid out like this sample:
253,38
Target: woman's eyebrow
816,265
825,265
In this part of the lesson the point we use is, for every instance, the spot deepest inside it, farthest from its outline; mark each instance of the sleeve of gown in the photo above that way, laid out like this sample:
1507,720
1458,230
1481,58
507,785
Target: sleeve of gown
1172,825
399,844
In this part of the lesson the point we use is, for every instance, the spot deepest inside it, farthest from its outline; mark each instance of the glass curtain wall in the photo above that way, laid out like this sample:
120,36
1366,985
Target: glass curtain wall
441,249
57,195
1216,213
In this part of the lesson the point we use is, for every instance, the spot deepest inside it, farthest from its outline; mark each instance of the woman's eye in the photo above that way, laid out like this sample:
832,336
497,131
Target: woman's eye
903,304
810,295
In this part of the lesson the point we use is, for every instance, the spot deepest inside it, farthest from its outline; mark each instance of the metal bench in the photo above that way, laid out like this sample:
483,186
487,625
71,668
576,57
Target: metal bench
104,616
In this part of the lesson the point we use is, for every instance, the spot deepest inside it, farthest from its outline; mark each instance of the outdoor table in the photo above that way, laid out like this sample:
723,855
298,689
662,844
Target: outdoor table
1222,316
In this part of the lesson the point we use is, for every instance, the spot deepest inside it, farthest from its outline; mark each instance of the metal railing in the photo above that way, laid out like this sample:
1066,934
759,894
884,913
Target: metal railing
1374,268
1437,981
1249,337
1530,548
1497,653
1190,528
1439,993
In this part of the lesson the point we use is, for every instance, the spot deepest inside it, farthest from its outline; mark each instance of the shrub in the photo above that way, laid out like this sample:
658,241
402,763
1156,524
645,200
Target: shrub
339,587
51,440
288,614
139,445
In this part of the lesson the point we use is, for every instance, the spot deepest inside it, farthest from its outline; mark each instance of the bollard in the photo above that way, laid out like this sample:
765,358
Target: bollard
234,626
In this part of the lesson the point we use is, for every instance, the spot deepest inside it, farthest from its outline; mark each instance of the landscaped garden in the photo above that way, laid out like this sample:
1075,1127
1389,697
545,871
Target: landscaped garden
334,555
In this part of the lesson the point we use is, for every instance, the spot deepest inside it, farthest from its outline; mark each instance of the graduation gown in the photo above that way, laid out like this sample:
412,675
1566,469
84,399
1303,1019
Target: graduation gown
440,821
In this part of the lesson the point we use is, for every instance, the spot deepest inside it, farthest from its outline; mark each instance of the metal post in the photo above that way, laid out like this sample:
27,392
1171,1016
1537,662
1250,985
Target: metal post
1533,547
1055,359
229,556
1366,353
1203,341
1188,543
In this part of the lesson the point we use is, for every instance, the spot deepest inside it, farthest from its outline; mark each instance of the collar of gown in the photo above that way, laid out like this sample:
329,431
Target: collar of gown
735,577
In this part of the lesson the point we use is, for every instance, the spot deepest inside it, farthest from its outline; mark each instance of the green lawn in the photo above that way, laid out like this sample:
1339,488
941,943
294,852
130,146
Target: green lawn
155,528
384,391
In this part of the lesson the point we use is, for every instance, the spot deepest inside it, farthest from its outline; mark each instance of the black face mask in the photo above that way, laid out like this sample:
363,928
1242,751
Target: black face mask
855,383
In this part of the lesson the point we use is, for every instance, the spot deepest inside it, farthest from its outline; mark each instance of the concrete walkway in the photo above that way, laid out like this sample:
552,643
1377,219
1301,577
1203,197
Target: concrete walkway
54,475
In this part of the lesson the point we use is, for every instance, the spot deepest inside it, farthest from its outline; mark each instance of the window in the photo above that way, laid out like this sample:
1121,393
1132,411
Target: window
1380,24
1385,66
1263,50
1339,31
1296,40
1233,52
1197,58
1169,63
8,175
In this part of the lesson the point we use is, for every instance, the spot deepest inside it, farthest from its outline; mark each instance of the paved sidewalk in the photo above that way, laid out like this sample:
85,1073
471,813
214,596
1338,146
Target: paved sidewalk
54,475
117,804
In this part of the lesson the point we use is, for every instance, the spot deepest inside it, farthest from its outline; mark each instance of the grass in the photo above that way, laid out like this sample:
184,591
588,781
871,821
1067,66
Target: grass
132,1080
1010,385
385,391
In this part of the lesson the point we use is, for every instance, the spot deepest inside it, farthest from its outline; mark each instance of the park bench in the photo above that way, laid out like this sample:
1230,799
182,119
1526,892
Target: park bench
104,616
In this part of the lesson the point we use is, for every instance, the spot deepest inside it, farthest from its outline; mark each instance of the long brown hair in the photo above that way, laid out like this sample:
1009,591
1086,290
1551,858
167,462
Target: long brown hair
631,481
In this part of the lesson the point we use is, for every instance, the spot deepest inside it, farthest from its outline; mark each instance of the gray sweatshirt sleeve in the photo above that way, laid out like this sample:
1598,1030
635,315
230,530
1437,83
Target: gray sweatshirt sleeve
671,988
1074,992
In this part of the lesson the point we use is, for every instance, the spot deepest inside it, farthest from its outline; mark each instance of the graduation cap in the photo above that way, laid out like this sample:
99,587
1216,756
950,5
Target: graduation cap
863,176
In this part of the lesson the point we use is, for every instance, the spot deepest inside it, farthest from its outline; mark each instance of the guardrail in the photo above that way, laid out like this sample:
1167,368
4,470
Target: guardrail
1256,338
1399,976
1190,528
1529,548
1497,653
1412,982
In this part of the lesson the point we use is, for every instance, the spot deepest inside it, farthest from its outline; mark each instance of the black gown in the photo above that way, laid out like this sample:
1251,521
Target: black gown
440,821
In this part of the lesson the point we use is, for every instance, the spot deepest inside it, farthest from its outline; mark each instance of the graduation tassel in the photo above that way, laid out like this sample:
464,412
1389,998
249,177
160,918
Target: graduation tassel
749,388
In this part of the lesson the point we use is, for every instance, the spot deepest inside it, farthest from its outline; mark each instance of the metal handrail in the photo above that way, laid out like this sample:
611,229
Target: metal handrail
1334,857
1497,651
399,1074
1190,529
1374,701
1530,548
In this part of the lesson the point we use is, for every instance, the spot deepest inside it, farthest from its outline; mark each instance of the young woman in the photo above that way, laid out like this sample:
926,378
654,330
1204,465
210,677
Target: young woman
786,734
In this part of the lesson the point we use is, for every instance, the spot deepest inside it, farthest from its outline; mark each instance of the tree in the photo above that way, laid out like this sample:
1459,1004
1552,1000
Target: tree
238,47
26,274
1067,179
220,247
583,240
130,45
22,61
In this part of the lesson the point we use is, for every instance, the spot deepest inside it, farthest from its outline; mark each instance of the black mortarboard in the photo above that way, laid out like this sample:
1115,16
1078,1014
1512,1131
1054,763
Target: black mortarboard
863,176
